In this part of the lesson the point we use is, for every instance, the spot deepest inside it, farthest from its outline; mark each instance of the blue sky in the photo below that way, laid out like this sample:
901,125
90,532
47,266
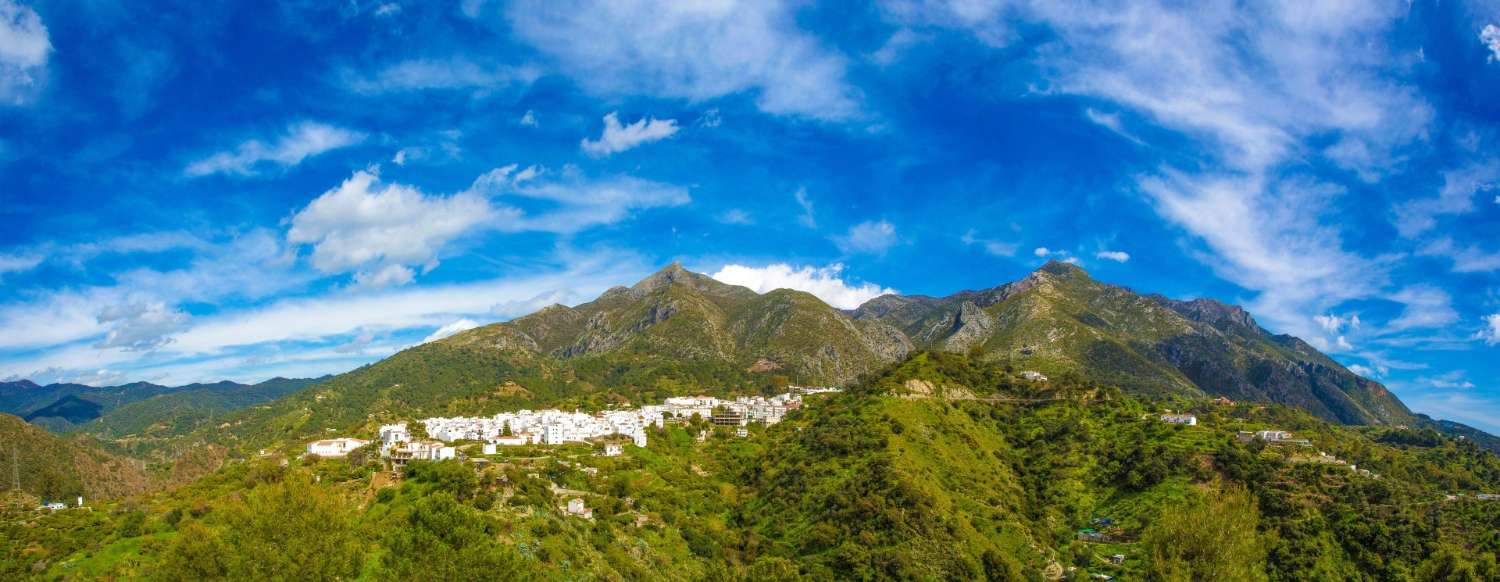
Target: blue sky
217,190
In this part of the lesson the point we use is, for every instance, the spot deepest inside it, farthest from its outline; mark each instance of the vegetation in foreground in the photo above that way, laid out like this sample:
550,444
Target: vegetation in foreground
940,468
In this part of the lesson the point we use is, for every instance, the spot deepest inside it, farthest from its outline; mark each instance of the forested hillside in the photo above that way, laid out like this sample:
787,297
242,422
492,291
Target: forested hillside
943,467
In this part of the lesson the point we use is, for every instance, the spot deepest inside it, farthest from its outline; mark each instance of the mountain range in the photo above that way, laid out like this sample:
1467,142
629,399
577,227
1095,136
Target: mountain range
677,332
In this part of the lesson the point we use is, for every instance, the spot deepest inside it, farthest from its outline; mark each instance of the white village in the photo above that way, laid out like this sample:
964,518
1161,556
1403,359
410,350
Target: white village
556,427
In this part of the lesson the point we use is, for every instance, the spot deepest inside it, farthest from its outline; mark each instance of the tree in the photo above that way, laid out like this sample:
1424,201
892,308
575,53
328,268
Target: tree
287,531
440,539
1209,537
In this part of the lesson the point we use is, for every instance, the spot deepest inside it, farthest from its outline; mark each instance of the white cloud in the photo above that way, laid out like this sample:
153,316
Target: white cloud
386,233
529,119
1420,215
399,308
736,216
1450,381
871,237
1116,256
824,282
1270,239
249,266
380,229
1110,121
1369,372
24,50
618,138
1470,259
1490,36
690,50
1334,324
18,263
388,9
1426,307
140,327
301,141
573,202
806,218
451,74
993,247
464,324
1259,86
1055,254
1490,333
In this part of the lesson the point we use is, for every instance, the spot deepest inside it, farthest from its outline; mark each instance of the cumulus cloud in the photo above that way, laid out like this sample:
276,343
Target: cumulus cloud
24,50
1490,333
1116,256
1334,324
301,141
379,230
461,325
528,119
690,50
1490,36
618,138
140,327
824,282
388,233
873,237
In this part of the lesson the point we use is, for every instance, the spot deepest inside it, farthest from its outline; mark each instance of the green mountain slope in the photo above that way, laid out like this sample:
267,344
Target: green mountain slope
64,407
54,467
180,411
1058,319
940,467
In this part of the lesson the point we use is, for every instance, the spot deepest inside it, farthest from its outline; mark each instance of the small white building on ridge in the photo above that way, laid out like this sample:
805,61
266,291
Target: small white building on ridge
334,447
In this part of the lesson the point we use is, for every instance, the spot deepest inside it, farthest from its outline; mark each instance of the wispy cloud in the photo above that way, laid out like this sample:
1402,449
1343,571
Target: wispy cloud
695,50
1116,256
301,141
618,138
455,73
873,237
806,218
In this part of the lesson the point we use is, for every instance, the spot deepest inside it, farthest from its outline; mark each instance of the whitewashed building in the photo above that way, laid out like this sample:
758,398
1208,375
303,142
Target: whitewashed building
334,447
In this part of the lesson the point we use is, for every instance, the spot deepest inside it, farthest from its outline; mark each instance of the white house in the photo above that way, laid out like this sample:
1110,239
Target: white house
575,507
1186,419
639,439
393,434
489,448
612,450
334,447
1034,376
